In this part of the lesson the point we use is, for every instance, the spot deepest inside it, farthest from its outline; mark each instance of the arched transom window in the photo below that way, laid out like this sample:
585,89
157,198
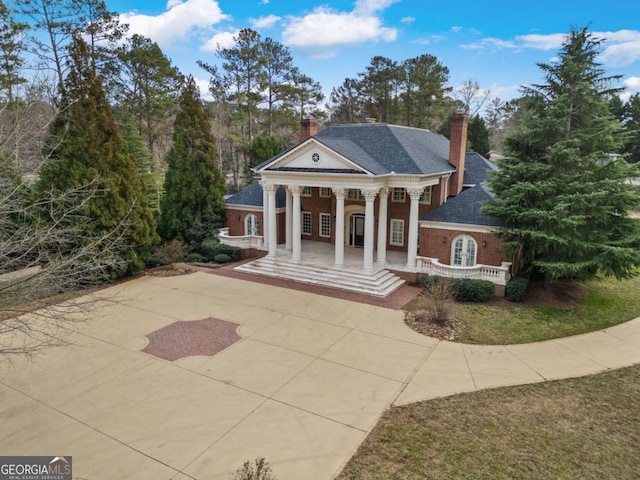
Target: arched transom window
251,225
463,251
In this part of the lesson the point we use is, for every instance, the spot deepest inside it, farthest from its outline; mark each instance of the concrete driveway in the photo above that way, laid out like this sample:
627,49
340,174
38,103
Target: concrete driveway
302,388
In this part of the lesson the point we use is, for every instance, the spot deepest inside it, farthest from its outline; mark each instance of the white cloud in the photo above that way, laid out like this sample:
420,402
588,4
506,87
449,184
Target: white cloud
421,41
222,40
264,22
456,28
203,86
489,42
179,19
407,20
621,47
632,86
324,29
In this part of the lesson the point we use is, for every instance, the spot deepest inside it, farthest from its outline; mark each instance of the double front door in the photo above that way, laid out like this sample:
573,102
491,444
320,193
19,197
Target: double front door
356,230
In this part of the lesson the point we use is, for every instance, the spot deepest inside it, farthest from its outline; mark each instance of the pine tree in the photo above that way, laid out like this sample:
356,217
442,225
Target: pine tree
561,193
193,200
85,146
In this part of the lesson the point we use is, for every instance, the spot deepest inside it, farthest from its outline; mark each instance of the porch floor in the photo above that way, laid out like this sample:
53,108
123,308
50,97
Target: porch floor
323,254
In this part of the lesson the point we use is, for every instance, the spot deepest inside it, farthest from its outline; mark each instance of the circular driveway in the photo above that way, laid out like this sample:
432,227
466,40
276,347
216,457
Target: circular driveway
302,387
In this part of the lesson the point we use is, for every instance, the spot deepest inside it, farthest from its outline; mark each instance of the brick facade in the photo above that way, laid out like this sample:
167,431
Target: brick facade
437,243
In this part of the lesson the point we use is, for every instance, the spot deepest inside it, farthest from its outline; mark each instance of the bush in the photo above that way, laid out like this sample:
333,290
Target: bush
259,470
471,290
195,258
155,261
516,289
211,247
222,258
171,252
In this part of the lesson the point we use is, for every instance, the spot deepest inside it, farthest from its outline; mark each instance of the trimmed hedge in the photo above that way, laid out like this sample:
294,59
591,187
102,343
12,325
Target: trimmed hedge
155,261
211,247
465,289
222,258
516,289
196,258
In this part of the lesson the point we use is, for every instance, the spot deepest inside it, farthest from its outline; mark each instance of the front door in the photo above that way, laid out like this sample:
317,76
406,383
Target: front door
356,229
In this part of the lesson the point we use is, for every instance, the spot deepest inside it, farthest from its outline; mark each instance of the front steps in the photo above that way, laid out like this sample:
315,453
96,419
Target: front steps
379,283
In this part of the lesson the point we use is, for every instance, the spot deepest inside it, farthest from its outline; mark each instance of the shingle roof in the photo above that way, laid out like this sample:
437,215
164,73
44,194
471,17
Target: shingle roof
465,208
381,149
477,169
252,196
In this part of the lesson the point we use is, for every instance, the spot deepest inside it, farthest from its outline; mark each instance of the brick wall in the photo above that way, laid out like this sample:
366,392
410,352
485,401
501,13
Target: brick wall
236,218
432,245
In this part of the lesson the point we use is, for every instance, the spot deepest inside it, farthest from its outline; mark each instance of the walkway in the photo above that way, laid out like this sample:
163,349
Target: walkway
302,388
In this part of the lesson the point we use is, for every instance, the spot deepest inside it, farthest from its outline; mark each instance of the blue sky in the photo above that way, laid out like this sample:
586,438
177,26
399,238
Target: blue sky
495,42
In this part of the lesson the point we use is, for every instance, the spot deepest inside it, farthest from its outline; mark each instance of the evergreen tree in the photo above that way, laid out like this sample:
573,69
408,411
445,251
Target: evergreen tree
85,146
263,148
561,194
478,136
193,200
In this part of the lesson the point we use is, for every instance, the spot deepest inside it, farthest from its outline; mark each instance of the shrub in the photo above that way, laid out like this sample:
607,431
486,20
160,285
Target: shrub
211,247
222,258
471,290
196,258
154,261
259,470
427,281
171,252
516,289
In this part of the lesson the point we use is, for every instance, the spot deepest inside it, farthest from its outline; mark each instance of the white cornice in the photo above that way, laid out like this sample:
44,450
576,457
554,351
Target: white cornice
462,227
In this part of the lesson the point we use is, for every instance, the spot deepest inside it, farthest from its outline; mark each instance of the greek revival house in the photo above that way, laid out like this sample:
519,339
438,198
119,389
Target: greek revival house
364,207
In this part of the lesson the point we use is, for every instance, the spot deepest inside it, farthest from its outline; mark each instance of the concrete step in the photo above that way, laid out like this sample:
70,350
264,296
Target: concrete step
378,283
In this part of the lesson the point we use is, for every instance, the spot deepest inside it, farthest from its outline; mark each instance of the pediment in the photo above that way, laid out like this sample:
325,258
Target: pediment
312,156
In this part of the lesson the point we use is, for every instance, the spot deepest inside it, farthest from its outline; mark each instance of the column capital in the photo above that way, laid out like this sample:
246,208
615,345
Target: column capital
340,193
296,190
415,193
384,193
369,194
269,187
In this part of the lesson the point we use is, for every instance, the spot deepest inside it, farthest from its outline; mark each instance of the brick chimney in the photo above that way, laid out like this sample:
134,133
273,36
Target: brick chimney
457,150
308,128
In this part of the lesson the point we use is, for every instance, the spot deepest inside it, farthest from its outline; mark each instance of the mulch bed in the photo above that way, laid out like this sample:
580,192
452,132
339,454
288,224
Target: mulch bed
419,322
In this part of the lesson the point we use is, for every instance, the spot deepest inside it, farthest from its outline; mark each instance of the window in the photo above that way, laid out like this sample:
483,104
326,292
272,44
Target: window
398,195
306,191
397,232
425,198
325,192
354,194
463,251
251,225
325,225
306,223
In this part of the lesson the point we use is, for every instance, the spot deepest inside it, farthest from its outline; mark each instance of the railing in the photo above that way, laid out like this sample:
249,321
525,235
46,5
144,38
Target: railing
498,275
242,241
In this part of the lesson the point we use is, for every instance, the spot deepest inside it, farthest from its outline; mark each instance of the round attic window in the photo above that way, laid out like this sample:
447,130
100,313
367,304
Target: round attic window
315,157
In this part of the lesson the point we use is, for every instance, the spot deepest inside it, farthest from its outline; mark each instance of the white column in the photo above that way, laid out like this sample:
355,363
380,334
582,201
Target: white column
412,242
340,194
382,227
273,230
265,215
289,220
296,254
369,220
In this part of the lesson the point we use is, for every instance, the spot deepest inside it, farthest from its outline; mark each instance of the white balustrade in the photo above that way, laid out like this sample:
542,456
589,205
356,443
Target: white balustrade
498,275
242,241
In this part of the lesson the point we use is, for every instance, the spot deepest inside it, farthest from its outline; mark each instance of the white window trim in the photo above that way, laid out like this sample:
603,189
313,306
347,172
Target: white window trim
393,195
359,196
327,191
305,190
395,221
425,199
310,223
324,215
246,225
453,250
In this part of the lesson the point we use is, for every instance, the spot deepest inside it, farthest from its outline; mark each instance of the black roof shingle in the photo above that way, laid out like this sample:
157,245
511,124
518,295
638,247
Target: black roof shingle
465,208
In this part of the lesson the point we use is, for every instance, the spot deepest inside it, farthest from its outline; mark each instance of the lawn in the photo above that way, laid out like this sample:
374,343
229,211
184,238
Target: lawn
586,428
560,311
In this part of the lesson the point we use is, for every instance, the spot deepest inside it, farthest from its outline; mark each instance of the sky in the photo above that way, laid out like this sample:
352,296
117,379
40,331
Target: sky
496,42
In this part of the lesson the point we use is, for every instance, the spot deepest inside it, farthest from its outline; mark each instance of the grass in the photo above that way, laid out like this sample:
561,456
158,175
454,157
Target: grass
567,310
528,432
